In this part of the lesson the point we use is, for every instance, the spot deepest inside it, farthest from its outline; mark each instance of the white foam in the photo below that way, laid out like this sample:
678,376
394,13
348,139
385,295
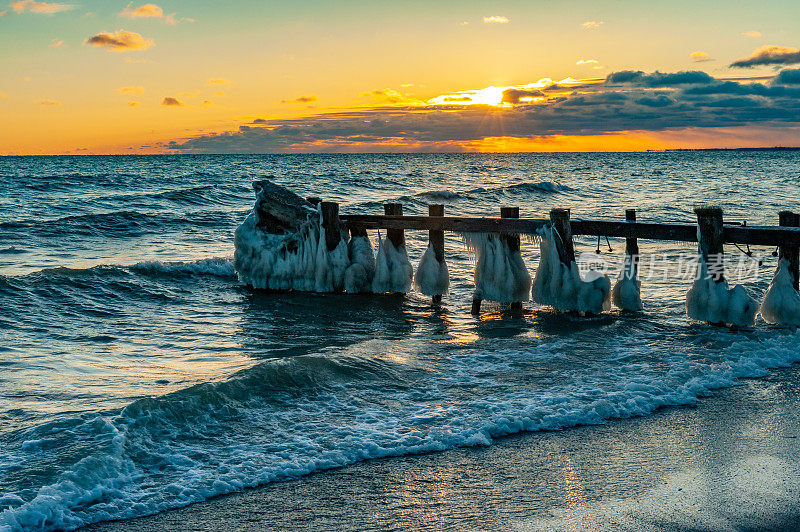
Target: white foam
713,302
626,293
432,277
393,271
500,274
781,305
562,287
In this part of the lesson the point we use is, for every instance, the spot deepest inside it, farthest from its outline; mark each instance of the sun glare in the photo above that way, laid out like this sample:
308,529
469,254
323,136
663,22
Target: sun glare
495,96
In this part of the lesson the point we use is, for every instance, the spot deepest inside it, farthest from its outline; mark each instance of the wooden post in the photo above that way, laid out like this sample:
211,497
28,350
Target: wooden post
512,241
396,236
566,251
631,244
791,253
709,223
330,223
436,239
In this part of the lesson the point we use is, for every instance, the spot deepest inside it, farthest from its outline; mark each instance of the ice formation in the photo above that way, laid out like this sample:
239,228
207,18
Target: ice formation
562,287
393,272
781,303
358,276
500,274
625,294
432,277
713,302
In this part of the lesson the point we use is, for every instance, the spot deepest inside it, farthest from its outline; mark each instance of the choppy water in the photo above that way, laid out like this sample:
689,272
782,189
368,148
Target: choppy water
137,374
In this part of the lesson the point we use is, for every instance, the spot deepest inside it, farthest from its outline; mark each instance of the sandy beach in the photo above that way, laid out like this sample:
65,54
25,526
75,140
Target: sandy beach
729,463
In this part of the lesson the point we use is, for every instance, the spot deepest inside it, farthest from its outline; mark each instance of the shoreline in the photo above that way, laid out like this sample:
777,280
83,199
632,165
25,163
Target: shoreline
728,463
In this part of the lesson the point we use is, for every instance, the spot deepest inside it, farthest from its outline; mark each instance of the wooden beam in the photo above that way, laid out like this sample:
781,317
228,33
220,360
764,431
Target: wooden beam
791,253
330,223
753,235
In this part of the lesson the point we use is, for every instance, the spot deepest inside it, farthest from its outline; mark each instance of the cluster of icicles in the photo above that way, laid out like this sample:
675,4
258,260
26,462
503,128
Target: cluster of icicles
302,261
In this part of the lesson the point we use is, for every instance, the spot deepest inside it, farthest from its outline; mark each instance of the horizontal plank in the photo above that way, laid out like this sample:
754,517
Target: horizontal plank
755,235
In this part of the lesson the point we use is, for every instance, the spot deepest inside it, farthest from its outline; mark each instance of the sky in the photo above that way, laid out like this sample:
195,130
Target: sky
306,76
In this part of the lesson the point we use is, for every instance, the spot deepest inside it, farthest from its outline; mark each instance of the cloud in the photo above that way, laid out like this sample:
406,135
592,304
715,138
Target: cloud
143,11
134,104
131,90
752,33
496,19
626,101
49,103
592,24
56,43
45,8
120,41
788,77
586,61
515,96
769,55
171,102
700,57
218,81
386,95
302,99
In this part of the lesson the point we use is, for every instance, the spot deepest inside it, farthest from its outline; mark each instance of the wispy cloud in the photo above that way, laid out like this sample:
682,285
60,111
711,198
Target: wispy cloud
496,19
752,33
56,43
302,99
131,90
171,102
586,61
44,8
49,103
385,95
592,24
120,41
143,11
700,57
218,81
769,55
134,104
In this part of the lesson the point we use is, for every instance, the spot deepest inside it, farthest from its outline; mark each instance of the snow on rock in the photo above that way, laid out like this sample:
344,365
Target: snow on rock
626,292
359,275
562,287
713,302
393,271
781,304
432,277
500,274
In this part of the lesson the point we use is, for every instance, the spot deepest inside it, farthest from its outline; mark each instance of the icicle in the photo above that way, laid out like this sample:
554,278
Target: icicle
393,271
713,302
359,275
500,275
626,292
561,287
781,304
432,277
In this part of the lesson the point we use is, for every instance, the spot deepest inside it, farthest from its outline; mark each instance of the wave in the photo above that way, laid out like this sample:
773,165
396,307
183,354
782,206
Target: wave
286,418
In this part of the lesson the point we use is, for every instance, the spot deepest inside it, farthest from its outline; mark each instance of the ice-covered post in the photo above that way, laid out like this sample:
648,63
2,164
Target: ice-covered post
436,239
395,236
790,253
330,223
709,223
512,241
566,250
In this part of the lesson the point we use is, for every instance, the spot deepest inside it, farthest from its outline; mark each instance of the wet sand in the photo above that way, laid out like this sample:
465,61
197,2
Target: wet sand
730,463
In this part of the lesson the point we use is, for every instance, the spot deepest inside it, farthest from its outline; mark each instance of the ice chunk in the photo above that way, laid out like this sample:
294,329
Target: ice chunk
359,275
500,274
626,292
713,302
432,277
393,271
562,287
781,304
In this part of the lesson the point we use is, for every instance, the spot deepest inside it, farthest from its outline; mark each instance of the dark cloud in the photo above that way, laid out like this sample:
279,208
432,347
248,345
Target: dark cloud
302,99
120,41
513,96
788,77
632,101
171,102
659,79
769,55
